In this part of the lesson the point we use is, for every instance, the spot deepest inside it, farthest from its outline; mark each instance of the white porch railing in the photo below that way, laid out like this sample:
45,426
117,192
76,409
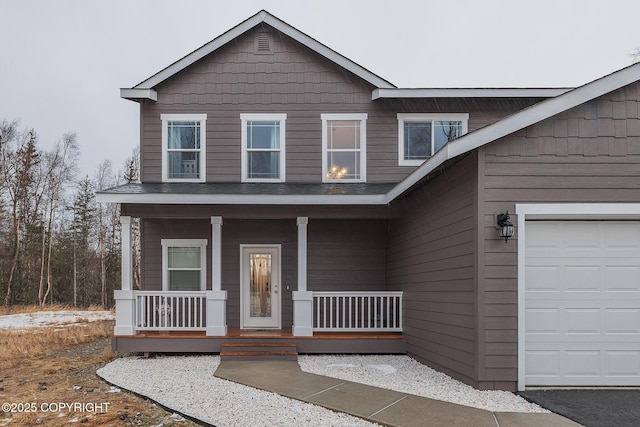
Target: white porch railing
175,311
357,311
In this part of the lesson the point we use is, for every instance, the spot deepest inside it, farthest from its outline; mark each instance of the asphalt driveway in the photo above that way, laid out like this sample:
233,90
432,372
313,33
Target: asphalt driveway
592,408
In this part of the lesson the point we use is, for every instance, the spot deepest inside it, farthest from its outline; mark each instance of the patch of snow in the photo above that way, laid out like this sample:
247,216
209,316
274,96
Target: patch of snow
113,389
51,318
177,417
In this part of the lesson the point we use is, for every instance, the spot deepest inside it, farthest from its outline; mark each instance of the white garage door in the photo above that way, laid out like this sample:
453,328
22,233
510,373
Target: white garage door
582,303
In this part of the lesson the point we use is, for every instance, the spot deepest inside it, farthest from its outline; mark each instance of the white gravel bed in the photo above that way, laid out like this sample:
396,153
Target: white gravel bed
186,384
401,373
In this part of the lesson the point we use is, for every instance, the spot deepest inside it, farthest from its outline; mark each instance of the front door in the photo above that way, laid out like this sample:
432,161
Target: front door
260,286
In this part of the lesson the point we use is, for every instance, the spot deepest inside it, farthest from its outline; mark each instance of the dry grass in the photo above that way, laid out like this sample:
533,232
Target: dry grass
58,364
34,342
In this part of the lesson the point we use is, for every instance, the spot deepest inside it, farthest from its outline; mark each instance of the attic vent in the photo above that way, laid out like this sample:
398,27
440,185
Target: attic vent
264,43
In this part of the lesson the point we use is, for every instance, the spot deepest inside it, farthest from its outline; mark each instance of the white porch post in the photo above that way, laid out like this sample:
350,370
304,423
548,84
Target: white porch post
125,298
302,299
216,297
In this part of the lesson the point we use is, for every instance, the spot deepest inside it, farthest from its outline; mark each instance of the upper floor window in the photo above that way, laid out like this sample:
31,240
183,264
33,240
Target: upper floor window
422,135
184,264
263,147
344,155
183,147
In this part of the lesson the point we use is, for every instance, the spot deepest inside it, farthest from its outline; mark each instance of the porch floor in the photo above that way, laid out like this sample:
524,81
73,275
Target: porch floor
320,342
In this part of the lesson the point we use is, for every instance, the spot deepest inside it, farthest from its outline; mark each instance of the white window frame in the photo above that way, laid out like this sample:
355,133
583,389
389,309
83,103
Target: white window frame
425,118
362,117
184,243
244,164
166,118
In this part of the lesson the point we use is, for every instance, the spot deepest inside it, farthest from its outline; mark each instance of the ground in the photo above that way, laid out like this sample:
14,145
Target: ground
44,371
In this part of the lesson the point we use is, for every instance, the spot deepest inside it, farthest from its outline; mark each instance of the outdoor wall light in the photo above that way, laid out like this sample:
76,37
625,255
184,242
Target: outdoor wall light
504,226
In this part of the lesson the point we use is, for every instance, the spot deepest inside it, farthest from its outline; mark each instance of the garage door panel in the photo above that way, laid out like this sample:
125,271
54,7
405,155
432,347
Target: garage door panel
544,363
623,235
581,363
542,320
622,321
622,363
581,235
621,278
582,303
580,278
583,321
542,278
546,238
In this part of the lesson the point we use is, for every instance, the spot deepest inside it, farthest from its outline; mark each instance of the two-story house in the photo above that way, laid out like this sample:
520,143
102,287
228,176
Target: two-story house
289,193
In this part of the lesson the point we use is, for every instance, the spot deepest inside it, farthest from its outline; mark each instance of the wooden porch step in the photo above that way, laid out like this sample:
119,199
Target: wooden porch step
259,351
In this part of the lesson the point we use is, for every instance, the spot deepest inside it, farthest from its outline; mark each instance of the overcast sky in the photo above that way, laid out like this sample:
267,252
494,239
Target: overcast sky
63,62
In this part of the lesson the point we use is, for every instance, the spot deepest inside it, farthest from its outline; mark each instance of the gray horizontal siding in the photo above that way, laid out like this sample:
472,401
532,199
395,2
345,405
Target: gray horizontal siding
589,154
153,231
430,256
343,255
346,255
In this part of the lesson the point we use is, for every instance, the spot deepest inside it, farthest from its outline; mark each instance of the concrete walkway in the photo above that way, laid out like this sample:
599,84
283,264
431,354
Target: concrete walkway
378,405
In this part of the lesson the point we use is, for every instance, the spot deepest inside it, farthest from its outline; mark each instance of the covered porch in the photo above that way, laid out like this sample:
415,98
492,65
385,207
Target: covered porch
326,315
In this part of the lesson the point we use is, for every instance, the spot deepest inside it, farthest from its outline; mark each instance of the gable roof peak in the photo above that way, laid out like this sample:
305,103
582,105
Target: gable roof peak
145,89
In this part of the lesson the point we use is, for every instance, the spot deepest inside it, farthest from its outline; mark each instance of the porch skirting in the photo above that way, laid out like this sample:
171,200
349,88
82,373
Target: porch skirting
198,342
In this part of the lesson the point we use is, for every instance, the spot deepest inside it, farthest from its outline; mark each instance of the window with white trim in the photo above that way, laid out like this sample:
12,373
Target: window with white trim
344,154
263,147
420,135
184,264
183,147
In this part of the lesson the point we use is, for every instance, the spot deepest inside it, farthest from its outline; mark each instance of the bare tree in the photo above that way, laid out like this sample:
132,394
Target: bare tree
84,227
63,159
132,175
18,171
107,213
635,55
48,225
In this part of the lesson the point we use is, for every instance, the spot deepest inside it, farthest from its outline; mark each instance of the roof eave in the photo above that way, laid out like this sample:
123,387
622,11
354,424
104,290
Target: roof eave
417,93
138,94
240,199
